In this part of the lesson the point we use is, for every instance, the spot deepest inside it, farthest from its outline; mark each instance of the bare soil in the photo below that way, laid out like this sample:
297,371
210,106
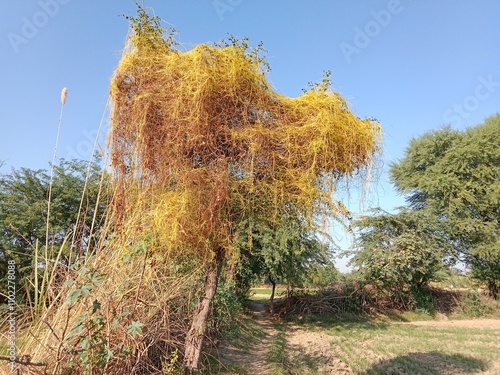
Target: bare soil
303,347
314,350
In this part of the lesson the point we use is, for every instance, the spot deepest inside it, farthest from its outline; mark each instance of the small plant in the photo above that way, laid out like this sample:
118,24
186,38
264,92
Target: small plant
471,305
425,302
86,341
225,307
351,300
172,365
91,350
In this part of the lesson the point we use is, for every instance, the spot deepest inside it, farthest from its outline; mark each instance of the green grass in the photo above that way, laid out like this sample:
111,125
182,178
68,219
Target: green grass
257,294
267,291
371,347
277,356
378,345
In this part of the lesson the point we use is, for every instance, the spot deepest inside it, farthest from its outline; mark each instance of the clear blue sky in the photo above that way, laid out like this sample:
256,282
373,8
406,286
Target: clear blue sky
413,65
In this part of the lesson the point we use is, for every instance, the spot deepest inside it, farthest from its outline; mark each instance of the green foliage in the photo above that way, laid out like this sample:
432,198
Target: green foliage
454,176
398,253
321,275
172,365
425,302
472,305
226,306
351,302
485,262
453,278
86,340
135,328
287,253
148,32
23,217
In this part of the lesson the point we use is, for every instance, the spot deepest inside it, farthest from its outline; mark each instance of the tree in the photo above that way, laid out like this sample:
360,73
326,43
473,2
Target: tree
23,217
399,253
284,252
455,176
201,142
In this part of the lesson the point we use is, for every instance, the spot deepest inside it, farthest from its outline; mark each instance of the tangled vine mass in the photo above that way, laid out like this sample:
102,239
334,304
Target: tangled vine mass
200,141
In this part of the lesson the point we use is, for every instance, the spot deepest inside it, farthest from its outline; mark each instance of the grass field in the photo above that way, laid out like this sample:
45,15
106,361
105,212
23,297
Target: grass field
373,348
266,291
365,347
405,344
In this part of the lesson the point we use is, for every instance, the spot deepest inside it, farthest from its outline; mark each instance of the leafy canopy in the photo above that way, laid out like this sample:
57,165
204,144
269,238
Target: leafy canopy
23,214
455,175
399,252
286,253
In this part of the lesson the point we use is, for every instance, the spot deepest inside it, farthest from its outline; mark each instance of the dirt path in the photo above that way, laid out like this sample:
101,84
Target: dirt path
304,348
313,352
253,357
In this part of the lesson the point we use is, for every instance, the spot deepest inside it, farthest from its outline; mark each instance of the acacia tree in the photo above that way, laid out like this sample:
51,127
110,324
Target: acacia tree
284,252
399,253
200,142
454,175
23,216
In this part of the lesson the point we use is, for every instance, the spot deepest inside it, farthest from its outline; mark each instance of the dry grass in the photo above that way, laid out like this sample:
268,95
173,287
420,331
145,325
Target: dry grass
117,312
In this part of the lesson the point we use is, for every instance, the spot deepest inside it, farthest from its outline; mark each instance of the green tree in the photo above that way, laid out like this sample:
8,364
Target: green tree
399,253
455,175
286,253
23,217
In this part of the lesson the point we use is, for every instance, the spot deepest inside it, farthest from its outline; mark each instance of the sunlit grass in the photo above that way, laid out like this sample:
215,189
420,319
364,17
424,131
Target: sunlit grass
378,347
277,355
267,291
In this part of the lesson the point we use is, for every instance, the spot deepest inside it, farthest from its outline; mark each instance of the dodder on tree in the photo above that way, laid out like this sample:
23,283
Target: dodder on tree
200,141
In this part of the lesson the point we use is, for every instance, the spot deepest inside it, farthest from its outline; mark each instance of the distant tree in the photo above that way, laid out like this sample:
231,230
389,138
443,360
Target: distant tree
285,253
23,216
399,253
455,176
322,274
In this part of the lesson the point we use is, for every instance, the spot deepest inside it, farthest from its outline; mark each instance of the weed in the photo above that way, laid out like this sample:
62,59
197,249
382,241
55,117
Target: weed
473,305
424,300
277,356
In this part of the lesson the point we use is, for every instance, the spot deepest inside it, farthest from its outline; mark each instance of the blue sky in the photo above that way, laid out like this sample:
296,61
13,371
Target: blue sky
413,65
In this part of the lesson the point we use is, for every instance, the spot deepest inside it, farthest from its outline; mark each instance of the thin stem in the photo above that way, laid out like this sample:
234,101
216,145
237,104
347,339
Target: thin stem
89,166
49,198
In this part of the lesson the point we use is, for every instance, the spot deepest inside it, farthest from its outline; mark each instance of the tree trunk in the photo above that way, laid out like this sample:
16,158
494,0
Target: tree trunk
271,300
196,334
